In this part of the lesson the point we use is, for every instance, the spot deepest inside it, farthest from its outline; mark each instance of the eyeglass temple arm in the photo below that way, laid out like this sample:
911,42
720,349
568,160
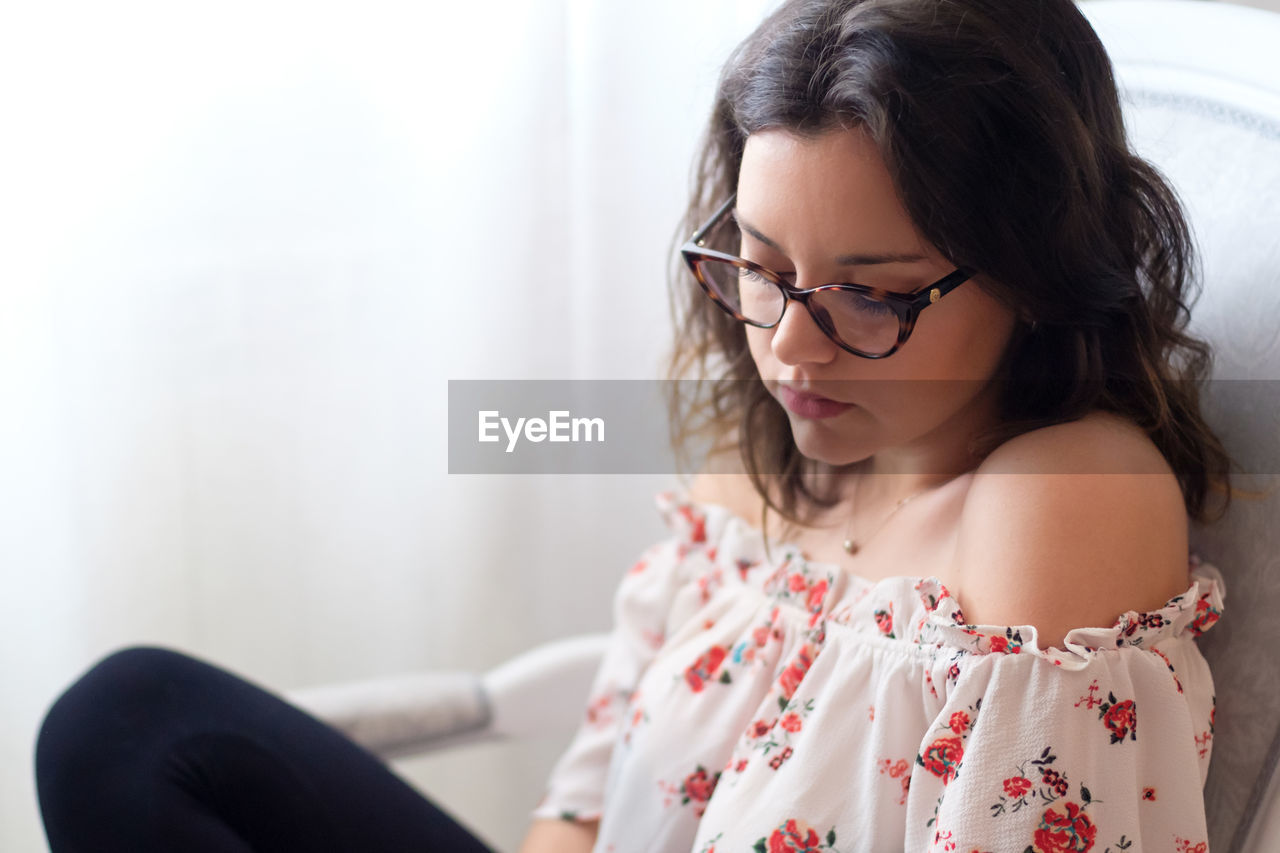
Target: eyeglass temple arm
946,285
715,217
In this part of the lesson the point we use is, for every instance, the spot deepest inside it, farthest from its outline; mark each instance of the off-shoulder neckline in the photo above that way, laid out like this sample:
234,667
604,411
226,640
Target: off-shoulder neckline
785,548
1201,601
681,496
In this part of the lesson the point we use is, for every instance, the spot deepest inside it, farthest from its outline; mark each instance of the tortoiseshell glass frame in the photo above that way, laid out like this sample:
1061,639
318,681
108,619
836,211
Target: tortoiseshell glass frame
906,305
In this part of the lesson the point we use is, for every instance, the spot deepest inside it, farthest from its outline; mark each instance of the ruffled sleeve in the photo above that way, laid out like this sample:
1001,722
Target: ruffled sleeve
644,613
1104,743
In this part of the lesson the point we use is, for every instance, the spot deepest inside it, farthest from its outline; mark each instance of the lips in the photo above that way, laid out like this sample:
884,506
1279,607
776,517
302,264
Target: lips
811,405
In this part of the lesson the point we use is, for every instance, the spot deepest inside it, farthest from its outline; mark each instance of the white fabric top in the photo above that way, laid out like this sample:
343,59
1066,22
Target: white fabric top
748,704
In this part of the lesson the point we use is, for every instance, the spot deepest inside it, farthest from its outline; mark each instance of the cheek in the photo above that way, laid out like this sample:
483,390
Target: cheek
759,342
984,343
964,345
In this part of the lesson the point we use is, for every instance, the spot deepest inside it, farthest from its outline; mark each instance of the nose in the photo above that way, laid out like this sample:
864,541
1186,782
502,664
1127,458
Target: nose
797,339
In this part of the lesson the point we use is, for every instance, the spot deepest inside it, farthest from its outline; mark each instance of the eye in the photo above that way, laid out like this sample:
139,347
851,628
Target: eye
848,304
750,276
864,304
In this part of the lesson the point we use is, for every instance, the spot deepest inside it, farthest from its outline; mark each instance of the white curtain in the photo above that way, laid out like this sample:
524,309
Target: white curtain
243,248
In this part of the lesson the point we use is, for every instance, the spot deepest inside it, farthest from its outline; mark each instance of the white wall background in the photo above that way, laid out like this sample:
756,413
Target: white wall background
243,247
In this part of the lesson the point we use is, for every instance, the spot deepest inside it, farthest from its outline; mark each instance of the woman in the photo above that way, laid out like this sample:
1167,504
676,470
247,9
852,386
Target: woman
964,463
981,460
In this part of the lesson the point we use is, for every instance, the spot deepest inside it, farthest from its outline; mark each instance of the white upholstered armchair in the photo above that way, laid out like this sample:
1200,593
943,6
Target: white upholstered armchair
1202,88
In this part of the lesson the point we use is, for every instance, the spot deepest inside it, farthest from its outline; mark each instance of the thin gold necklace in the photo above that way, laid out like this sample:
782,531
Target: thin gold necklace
851,547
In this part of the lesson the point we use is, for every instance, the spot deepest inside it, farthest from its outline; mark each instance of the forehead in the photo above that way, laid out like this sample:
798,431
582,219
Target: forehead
827,194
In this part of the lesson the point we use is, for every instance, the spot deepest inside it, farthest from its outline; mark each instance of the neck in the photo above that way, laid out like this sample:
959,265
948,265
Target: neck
938,455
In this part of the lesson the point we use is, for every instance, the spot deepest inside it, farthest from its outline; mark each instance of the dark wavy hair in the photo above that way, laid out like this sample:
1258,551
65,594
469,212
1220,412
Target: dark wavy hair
1001,126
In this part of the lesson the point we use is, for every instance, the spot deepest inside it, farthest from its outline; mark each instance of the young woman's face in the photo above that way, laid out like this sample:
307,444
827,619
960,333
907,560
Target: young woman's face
805,205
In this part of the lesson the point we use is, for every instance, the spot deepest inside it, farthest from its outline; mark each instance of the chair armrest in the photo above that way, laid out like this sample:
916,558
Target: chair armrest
401,714
541,691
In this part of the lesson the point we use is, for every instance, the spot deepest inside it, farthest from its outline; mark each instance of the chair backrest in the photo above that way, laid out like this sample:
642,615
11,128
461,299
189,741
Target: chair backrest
1201,84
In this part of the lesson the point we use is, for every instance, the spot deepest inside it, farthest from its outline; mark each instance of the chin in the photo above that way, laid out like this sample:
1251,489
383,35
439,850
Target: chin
822,443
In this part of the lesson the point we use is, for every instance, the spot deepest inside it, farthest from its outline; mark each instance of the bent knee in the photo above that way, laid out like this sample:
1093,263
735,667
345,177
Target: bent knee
122,690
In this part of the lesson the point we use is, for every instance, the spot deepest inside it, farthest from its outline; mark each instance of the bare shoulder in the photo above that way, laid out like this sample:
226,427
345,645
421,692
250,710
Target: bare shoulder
1069,526
1100,442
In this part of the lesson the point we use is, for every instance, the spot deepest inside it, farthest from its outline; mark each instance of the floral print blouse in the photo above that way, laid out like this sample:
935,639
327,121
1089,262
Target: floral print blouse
749,704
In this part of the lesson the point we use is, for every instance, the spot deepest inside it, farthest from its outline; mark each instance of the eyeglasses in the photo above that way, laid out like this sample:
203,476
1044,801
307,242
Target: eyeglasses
866,321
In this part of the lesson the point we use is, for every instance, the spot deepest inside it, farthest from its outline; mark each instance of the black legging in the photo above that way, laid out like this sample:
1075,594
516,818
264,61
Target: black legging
152,750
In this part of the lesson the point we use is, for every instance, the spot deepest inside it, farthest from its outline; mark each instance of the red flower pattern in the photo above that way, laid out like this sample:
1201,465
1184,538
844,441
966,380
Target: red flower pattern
698,786
791,676
1067,831
1122,720
884,620
817,594
1206,615
901,771
598,710
1055,781
697,523
942,758
794,836
695,788
704,668
1017,786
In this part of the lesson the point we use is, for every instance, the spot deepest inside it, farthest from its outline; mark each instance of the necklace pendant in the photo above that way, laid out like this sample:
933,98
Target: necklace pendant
850,547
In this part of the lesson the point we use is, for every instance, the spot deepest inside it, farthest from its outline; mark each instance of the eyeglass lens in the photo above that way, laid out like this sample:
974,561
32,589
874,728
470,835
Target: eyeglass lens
860,321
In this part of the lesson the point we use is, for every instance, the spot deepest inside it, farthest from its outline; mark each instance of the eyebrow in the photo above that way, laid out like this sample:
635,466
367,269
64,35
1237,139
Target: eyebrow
851,260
